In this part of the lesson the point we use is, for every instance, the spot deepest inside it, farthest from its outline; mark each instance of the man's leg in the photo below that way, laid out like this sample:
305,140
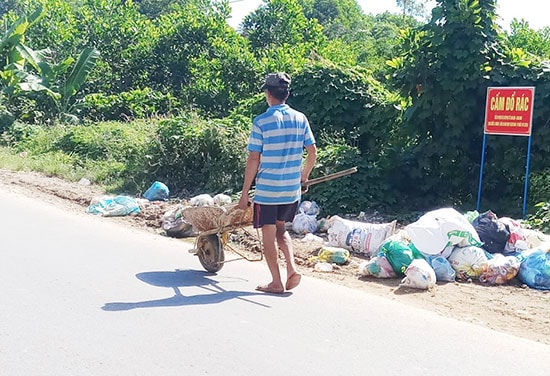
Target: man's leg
285,244
271,257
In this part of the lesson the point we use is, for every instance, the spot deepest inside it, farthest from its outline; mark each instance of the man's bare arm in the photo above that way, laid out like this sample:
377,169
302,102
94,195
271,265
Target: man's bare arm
311,158
250,171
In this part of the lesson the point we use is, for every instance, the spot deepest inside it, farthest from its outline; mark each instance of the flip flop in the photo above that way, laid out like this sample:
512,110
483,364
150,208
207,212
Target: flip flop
293,281
270,290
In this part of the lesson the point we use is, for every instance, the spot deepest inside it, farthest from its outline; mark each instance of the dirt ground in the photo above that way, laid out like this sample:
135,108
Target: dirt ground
513,308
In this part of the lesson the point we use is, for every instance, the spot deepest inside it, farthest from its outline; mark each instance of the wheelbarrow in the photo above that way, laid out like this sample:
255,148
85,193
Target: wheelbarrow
214,223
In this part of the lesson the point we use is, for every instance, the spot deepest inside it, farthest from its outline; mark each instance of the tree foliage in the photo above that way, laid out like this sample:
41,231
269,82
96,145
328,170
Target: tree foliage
280,35
418,148
445,71
522,36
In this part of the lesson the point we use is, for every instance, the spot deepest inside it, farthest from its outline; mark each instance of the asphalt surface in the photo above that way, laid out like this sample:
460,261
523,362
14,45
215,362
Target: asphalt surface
82,295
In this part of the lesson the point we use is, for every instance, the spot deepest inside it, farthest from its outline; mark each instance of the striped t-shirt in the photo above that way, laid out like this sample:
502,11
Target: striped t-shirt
279,135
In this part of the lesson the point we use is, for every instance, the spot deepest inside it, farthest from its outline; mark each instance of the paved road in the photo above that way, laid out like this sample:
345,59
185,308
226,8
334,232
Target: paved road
81,295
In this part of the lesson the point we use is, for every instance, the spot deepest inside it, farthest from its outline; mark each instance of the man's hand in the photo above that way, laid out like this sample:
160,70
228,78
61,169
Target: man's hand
244,202
305,186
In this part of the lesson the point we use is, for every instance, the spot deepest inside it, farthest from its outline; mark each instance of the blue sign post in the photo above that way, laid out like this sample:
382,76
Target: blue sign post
508,111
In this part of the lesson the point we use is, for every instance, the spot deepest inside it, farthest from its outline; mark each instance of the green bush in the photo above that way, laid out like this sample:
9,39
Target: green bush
367,189
106,140
346,99
539,187
134,104
18,133
6,119
540,220
194,155
109,153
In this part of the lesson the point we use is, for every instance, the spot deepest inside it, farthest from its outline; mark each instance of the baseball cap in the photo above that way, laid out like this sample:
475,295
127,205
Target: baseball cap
279,80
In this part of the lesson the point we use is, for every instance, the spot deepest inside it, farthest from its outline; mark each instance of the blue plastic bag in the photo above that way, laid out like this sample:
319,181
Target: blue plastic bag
157,192
442,267
534,270
114,206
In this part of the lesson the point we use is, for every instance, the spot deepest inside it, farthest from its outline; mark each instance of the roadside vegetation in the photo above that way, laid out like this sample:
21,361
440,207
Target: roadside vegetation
124,93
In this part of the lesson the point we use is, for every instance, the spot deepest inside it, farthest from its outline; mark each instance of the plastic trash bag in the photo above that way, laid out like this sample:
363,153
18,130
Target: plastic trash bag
468,262
500,270
442,267
517,242
534,270
303,223
323,266
335,255
157,192
220,199
399,255
535,238
309,208
108,206
419,275
493,233
378,267
175,225
311,238
202,200
357,236
437,229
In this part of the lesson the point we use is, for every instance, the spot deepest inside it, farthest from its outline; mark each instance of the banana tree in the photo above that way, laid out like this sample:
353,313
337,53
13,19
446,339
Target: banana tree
13,72
54,80
27,70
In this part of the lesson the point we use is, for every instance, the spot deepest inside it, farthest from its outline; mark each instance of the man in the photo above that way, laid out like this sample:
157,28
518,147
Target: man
275,148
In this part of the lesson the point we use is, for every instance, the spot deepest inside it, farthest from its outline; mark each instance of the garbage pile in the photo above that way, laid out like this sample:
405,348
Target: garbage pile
172,220
444,245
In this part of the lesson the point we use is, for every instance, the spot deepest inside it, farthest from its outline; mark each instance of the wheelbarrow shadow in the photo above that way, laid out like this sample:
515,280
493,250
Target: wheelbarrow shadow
184,278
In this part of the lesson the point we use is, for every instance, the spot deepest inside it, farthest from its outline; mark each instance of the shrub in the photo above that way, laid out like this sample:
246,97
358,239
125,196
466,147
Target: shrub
134,104
194,155
541,219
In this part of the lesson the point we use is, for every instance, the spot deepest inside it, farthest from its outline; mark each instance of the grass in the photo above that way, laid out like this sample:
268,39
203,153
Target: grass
64,166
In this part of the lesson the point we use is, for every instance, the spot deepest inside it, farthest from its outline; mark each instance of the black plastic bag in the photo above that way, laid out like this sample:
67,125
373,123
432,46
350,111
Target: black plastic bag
493,233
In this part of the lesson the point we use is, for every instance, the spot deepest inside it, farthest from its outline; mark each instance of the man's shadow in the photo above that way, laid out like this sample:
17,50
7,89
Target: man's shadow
183,278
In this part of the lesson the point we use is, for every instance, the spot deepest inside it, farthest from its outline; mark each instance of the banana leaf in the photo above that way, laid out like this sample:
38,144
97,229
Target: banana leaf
84,65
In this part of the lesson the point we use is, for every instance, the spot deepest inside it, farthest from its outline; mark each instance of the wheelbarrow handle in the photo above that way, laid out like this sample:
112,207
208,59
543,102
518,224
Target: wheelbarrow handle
328,177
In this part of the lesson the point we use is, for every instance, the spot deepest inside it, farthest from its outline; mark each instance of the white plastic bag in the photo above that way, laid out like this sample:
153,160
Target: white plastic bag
439,228
357,236
220,199
202,200
517,242
303,223
419,275
378,267
468,262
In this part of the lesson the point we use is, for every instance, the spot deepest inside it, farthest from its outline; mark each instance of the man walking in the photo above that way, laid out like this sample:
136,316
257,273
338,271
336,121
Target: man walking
275,147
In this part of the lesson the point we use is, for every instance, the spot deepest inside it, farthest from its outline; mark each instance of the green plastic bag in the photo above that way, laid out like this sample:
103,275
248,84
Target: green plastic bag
399,254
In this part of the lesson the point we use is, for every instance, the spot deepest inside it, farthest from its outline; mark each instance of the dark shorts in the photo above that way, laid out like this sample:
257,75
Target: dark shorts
270,214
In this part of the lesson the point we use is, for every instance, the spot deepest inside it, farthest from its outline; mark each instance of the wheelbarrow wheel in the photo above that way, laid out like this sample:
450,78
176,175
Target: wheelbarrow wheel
210,253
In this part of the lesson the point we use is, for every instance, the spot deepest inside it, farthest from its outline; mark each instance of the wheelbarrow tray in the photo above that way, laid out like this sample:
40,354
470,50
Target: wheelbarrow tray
217,219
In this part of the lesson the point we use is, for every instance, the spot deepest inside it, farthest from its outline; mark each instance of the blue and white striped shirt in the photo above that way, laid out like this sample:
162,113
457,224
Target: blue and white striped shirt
279,135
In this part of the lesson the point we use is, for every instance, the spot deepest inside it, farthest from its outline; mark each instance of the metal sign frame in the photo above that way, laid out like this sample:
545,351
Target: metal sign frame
508,104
